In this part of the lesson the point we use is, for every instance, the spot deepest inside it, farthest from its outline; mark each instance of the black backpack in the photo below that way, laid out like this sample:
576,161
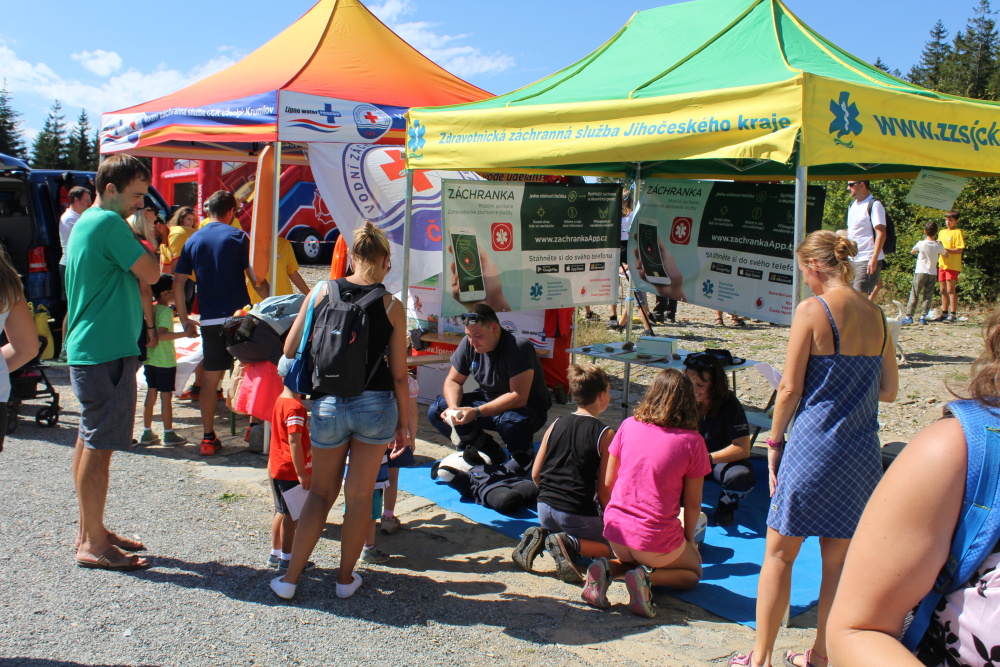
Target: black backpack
339,342
889,246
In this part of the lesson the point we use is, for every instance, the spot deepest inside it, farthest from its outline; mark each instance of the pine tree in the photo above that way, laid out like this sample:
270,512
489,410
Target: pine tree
11,136
971,68
79,148
49,149
885,68
930,72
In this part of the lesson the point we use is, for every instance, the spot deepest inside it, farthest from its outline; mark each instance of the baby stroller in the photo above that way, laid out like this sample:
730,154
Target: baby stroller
24,386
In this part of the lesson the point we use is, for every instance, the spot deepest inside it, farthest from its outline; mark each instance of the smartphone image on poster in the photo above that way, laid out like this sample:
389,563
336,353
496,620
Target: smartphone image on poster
467,265
649,254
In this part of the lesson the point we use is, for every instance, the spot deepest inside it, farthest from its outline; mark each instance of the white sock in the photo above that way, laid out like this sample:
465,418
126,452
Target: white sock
276,552
346,591
387,515
285,556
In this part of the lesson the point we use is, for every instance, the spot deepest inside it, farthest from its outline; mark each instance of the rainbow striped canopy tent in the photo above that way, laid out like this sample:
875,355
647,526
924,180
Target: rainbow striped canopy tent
732,89
335,75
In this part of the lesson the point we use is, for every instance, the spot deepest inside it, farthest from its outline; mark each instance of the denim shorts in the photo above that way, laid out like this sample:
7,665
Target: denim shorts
580,527
369,418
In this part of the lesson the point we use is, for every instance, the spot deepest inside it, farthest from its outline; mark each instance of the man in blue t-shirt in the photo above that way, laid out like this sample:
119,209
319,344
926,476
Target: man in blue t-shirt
219,256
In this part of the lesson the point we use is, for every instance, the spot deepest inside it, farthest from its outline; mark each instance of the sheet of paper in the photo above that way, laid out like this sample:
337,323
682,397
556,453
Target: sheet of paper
770,374
935,189
295,498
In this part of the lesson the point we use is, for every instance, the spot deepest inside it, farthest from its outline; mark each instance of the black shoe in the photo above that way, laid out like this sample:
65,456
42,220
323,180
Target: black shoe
656,318
615,327
950,318
724,515
563,553
529,546
943,317
671,319
649,332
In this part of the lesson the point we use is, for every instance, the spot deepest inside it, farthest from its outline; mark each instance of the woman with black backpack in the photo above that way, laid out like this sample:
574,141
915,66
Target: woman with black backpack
357,410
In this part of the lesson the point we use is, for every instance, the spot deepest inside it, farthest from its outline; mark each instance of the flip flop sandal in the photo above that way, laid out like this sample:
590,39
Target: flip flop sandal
741,660
719,322
739,323
112,559
791,656
126,543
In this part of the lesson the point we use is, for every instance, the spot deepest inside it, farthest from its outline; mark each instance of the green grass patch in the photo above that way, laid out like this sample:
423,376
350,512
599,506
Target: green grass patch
231,497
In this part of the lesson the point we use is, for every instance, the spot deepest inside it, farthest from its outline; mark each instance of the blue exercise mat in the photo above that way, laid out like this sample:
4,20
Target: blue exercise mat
417,480
731,556
731,559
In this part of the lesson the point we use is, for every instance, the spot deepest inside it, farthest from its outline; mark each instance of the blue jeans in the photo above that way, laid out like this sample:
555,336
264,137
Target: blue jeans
370,418
515,427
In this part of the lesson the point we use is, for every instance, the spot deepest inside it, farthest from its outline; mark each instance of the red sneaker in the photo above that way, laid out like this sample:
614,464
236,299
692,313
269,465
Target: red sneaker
210,446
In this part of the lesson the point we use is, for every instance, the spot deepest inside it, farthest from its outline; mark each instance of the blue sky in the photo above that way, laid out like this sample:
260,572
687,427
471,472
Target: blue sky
129,53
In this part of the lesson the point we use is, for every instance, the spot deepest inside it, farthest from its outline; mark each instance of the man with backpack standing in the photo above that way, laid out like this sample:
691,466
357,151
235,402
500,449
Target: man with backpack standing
866,226
219,256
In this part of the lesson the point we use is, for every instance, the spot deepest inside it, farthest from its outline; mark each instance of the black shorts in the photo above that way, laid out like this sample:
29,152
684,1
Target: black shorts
213,347
404,460
160,379
279,485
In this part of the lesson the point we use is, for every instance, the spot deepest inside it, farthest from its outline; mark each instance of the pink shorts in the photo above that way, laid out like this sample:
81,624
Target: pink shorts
647,558
947,274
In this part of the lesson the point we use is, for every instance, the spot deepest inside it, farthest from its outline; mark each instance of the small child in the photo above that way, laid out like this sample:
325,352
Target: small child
371,553
161,366
567,472
289,464
656,459
403,459
925,274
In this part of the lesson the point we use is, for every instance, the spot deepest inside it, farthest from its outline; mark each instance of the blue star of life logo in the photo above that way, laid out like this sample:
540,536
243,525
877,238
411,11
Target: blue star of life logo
845,119
536,292
415,139
707,288
331,115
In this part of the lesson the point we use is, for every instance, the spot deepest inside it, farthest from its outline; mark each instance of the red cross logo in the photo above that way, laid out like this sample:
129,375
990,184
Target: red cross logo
371,117
394,170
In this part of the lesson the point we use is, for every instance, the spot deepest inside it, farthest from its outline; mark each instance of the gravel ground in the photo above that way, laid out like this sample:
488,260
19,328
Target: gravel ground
449,596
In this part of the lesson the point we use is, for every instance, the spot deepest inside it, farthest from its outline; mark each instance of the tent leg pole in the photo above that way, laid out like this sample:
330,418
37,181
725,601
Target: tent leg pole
631,301
801,181
404,295
273,273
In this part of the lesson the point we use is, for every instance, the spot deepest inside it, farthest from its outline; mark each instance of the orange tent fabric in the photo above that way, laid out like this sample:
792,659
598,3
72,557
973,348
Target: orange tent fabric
338,53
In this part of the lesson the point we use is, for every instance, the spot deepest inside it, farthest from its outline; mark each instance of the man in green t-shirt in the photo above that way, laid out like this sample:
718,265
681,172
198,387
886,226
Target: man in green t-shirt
104,263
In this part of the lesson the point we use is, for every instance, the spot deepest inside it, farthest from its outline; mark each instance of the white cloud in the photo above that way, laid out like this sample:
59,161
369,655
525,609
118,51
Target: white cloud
100,62
448,51
38,83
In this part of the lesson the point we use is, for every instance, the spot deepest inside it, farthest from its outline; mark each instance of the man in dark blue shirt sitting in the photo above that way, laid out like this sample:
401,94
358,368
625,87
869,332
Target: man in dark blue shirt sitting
512,398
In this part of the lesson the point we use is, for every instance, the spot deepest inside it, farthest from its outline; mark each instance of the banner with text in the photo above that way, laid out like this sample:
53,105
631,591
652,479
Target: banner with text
529,246
721,245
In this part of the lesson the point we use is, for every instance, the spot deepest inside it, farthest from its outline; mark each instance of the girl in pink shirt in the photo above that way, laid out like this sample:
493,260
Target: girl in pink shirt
655,459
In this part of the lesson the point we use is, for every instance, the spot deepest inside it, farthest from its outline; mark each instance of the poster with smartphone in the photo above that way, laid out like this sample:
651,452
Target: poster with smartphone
722,245
529,246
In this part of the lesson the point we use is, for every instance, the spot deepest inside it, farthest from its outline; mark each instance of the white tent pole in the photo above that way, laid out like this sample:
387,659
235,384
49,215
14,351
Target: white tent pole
801,180
630,295
407,229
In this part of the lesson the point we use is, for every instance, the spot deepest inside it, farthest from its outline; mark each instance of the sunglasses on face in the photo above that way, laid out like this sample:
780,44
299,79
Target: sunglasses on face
851,184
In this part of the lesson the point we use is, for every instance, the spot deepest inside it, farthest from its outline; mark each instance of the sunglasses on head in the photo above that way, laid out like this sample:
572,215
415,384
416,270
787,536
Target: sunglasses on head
698,361
470,318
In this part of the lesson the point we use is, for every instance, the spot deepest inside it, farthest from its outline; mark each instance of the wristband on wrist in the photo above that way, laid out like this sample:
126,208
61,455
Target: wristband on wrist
478,413
775,444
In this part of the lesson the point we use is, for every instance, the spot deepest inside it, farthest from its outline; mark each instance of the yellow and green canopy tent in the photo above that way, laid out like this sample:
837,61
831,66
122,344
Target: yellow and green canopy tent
732,89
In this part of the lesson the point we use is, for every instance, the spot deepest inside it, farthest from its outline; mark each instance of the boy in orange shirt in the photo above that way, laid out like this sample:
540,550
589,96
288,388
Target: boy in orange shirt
289,464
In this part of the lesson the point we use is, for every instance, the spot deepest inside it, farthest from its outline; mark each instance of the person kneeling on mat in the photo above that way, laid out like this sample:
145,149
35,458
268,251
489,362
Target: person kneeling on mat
567,471
512,398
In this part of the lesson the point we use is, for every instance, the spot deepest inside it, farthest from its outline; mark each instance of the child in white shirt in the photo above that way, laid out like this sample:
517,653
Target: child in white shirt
925,274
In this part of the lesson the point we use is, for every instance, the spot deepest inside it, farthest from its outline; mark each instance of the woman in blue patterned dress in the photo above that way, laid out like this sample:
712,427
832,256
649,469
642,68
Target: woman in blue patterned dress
839,364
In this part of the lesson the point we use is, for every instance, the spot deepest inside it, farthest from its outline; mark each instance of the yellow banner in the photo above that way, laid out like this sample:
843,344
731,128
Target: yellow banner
753,122
857,124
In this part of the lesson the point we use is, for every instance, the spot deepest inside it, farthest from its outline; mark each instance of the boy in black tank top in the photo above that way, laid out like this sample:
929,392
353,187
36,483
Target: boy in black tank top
569,473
